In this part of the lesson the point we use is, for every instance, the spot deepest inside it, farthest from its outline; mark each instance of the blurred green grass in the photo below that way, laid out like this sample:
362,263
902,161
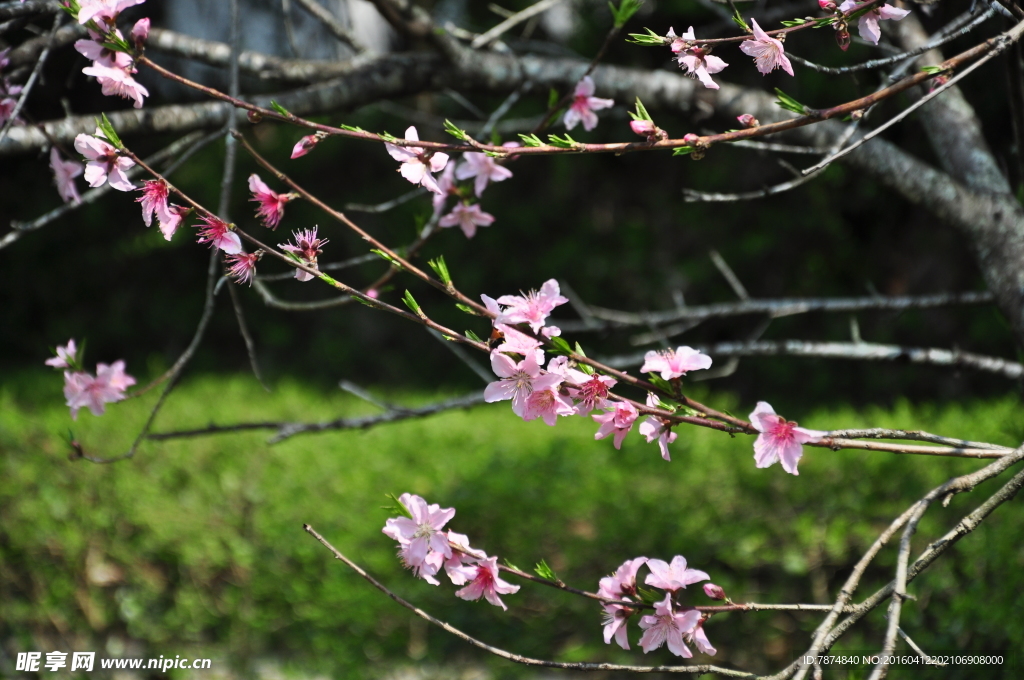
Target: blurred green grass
198,543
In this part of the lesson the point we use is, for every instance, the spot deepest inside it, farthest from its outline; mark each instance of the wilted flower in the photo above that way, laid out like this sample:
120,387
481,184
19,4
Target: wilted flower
423,546
272,204
307,247
242,266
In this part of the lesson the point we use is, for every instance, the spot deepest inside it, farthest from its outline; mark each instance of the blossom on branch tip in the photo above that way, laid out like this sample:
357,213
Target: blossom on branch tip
483,168
654,428
67,356
82,390
484,582
468,218
64,174
674,576
518,381
422,545
417,162
104,163
666,626
618,422
140,32
103,10
674,363
768,52
696,60
531,308
154,202
307,248
583,106
867,23
715,592
272,204
304,145
218,234
242,266
780,440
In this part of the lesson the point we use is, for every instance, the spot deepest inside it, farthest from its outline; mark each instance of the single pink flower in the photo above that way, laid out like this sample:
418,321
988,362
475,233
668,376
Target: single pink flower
140,32
617,422
307,248
867,23
780,440
66,356
462,556
518,381
304,145
483,167
668,626
768,52
591,391
103,10
272,204
583,106
154,202
423,546
697,60
533,307
104,163
484,582
218,234
64,174
118,82
673,576
614,621
547,404
654,428
674,363
698,637
100,54
174,218
468,218
622,583
242,267
417,162
85,391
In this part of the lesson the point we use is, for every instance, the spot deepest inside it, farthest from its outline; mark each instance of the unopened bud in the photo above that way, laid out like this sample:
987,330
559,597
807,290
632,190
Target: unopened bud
643,128
140,31
254,117
843,39
690,139
857,115
714,592
827,5
304,145
748,120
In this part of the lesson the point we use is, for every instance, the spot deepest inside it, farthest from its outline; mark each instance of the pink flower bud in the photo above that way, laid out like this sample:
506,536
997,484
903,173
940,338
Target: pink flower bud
843,38
304,146
937,82
714,592
748,120
827,5
643,128
140,32
254,117
690,139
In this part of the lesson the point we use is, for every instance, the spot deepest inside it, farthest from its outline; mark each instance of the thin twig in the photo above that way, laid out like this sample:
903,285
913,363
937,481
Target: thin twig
487,37
331,23
730,276
32,78
463,356
386,205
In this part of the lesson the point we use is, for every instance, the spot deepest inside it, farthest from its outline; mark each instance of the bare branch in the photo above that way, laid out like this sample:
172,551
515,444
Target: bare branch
332,24
32,78
490,35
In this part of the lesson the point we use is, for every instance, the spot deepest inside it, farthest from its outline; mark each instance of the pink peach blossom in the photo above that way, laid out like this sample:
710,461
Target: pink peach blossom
104,163
82,390
307,248
417,162
622,583
66,356
304,145
780,440
768,52
696,60
715,592
468,218
462,556
272,204
547,404
583,106
154,202
218,234
518,381
116,81
242,267
484,582
531,308
614,621
698,637
654,428
103,10
423,546
446,187
673,576
667,626
674,363
867,23
64,174
140,32
514,340
617,422
484,168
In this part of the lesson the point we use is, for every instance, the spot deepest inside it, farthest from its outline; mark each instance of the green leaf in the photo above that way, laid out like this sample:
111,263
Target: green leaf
531,140
932,70
553,98
649,38
364,302
397,506
660,383
560,345
466,308
508,563
441,269
386,256
411,303
790,104
625,11
682,151
793,22
566,142
352,128
455,131
641,112
280,109
544,571
387,137
738,20
103,123
579,351
472,336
